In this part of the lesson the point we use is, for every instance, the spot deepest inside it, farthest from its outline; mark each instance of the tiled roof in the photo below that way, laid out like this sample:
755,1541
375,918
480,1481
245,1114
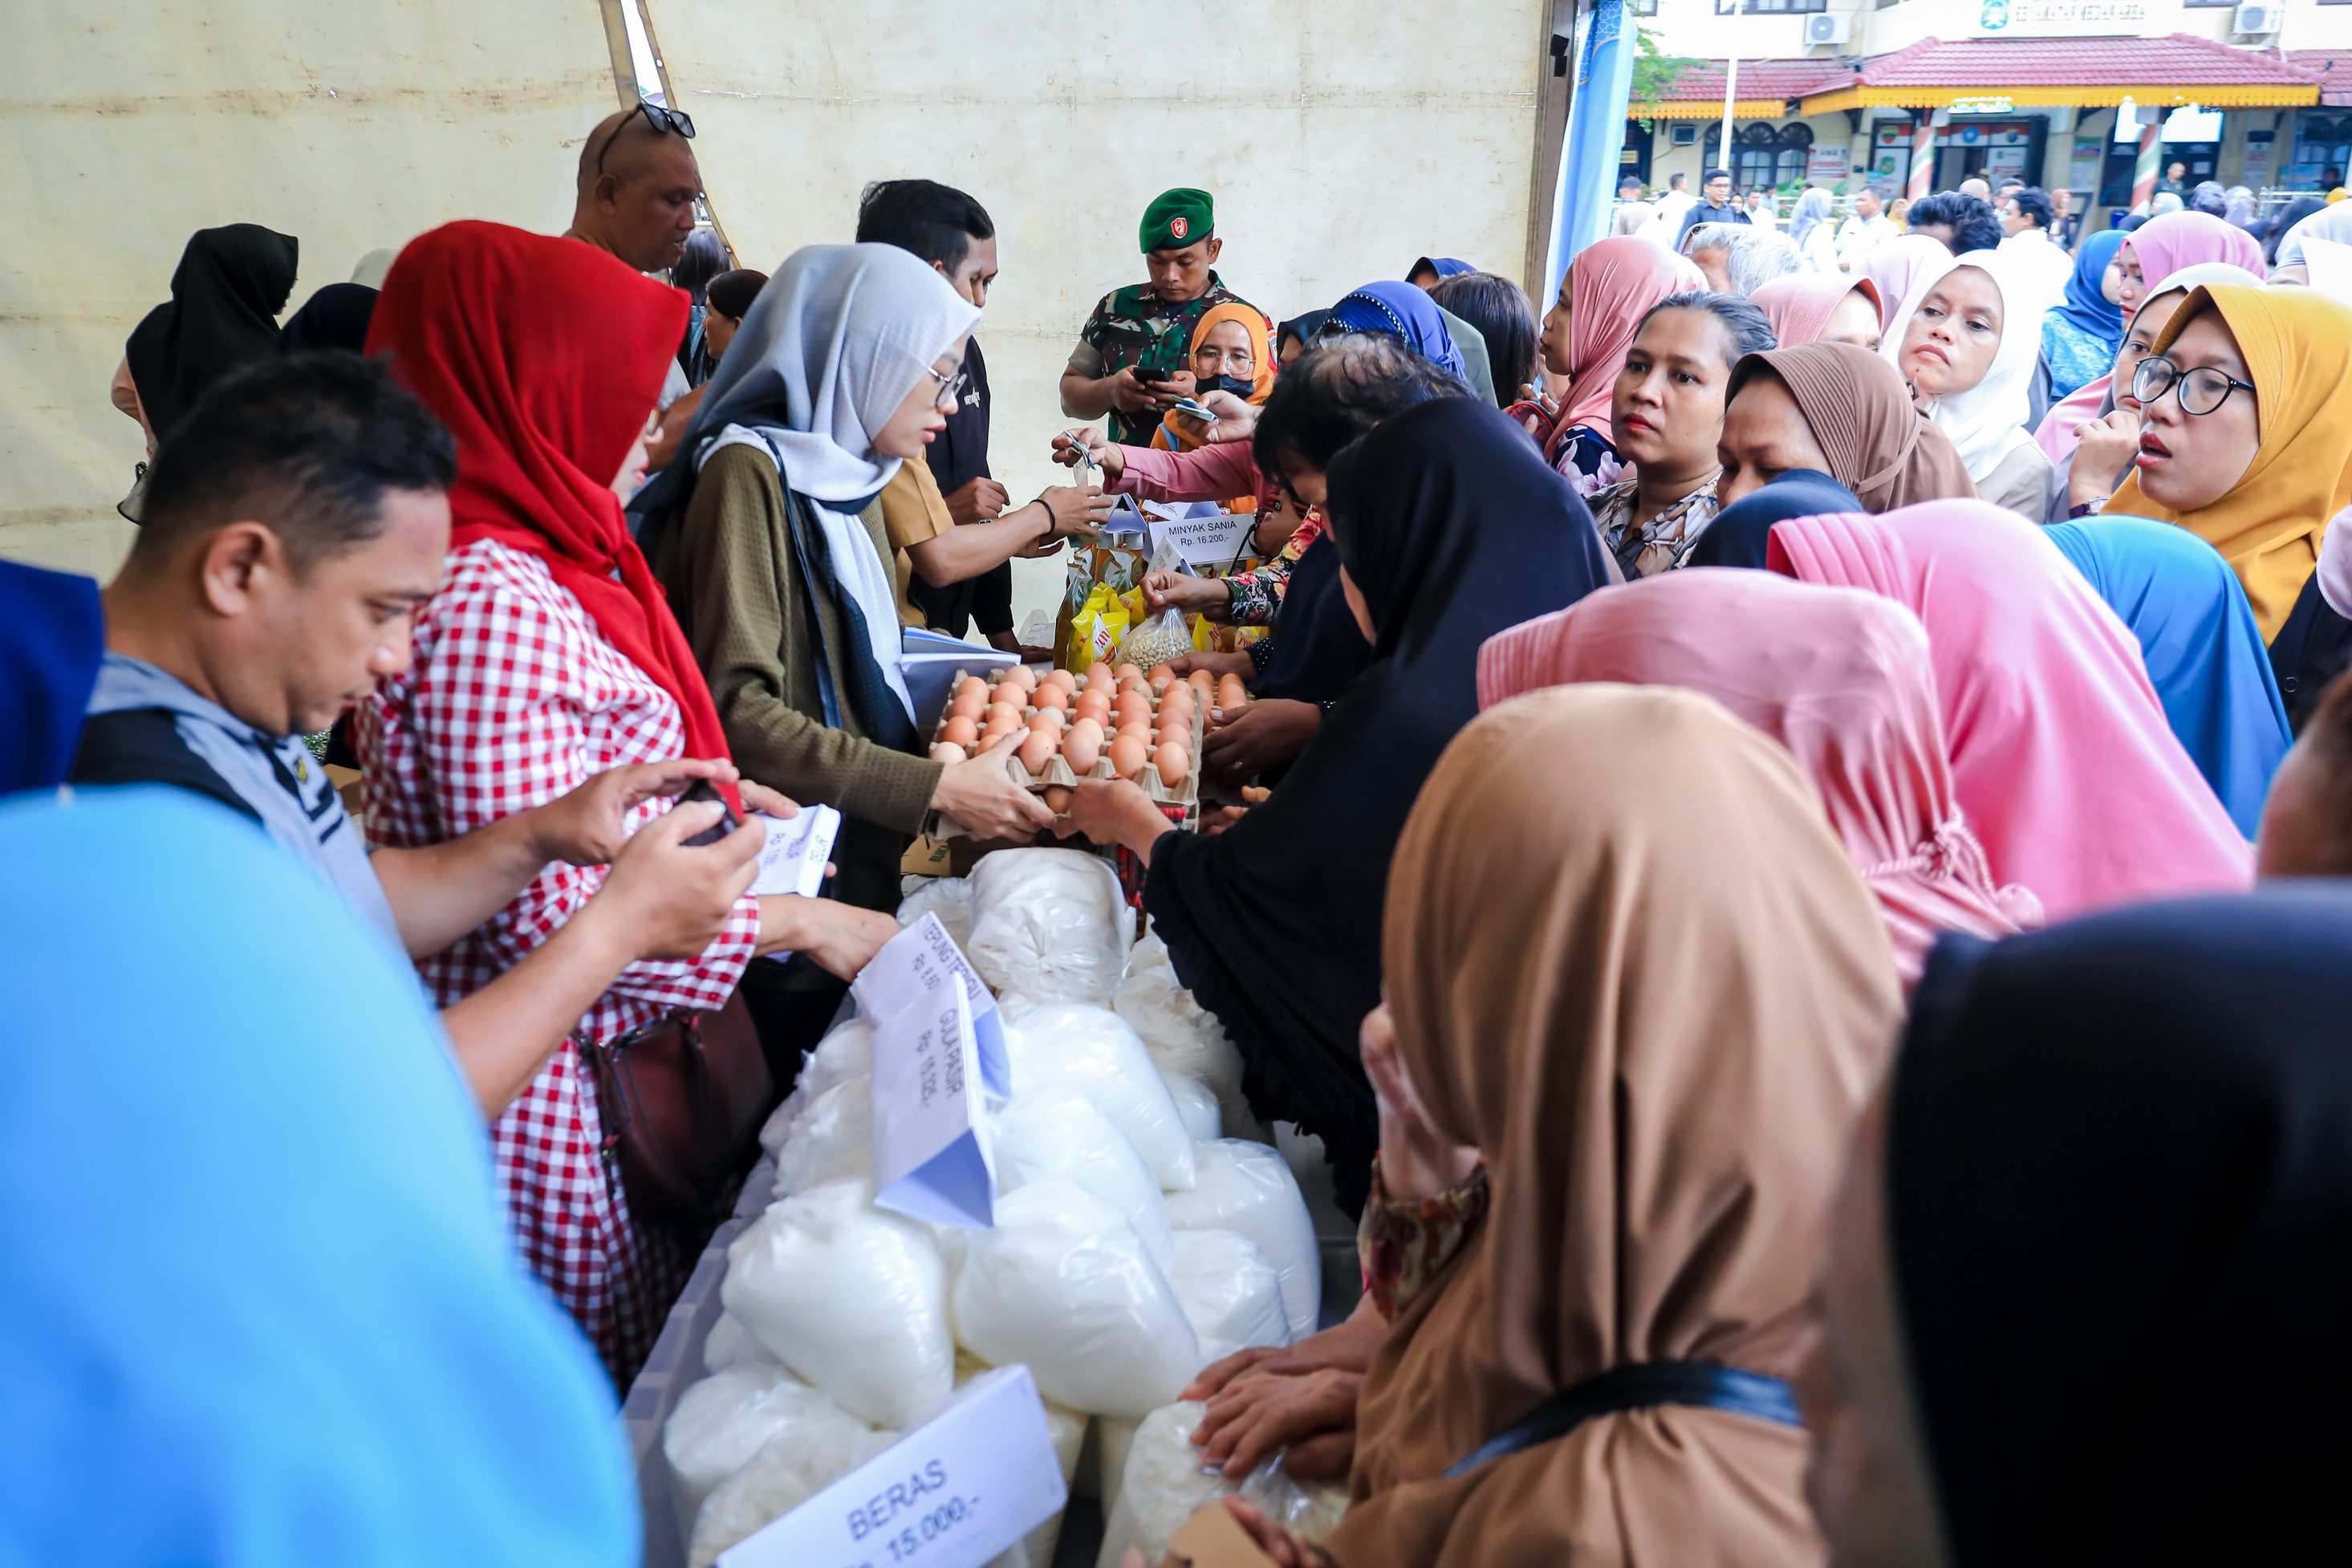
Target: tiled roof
1702,81
2177,60
2334,68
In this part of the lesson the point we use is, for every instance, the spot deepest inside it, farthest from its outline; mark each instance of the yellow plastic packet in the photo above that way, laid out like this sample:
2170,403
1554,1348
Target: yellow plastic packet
1095,629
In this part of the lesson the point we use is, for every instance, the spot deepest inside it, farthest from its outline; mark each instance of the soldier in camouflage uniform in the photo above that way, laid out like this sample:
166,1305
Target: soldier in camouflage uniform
1147,326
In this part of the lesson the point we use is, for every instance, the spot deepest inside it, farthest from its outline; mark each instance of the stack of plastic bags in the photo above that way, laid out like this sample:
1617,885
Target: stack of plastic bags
1164,1481
1131,1246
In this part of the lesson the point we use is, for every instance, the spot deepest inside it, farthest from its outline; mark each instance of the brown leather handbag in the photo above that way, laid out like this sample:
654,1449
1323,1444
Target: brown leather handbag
681,1101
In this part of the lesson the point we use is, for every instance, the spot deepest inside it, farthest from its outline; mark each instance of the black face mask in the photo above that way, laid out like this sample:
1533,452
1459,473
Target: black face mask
1203,386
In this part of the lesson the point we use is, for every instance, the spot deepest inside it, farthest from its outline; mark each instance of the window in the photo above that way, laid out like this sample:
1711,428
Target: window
1643,7
1763,156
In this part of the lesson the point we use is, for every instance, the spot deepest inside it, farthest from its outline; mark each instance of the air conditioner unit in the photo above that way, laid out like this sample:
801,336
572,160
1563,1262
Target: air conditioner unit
1831,27
1685,134
2258,20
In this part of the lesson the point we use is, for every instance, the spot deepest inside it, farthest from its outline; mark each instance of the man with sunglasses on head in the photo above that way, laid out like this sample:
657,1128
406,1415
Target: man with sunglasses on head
635,197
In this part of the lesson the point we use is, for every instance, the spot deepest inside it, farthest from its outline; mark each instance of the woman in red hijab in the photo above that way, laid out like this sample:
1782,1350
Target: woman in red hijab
549,655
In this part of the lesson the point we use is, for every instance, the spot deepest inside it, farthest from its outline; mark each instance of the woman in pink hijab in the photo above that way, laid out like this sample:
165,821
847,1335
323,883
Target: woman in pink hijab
1603,296
1840,678
2061,751
1820,307
1895,266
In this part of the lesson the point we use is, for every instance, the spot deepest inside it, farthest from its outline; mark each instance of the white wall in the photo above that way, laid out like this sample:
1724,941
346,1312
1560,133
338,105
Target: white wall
1340,138
130,126
1692,27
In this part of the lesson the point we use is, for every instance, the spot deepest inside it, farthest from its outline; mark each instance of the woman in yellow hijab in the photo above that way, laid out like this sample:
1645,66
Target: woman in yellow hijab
2246,426
1229,347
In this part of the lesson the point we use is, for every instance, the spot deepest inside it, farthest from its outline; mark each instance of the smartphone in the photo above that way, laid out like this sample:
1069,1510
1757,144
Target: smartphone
703,789
1145,373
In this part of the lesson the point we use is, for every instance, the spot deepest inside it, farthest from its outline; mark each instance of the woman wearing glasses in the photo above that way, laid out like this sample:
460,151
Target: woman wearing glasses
2245,417
768,535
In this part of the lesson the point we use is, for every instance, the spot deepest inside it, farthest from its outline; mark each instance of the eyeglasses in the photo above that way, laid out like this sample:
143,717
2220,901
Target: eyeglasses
665,122
2202,390
950,388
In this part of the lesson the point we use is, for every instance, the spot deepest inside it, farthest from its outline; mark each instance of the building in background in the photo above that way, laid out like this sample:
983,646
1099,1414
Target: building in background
1921,94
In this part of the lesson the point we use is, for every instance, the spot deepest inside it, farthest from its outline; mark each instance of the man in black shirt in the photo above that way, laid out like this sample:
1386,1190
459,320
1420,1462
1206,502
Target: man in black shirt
952,232
1719,207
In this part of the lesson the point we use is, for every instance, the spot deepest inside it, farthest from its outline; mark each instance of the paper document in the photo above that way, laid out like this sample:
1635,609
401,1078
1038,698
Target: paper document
793,861
973,1478
939,1053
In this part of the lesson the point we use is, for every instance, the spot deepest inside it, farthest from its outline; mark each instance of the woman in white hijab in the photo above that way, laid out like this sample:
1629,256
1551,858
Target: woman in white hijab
766,535
1966,338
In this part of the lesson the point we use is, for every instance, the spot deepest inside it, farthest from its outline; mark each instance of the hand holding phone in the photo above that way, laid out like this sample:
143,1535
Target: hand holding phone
702,789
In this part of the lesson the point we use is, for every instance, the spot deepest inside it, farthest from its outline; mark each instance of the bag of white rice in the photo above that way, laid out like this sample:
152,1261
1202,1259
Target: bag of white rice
790,1469
1229,1292
720,1422
1090,1050
846,1053
1064,1284
1158,1487
1204,1120
1049,924
851,1298
831,1142
1248,1187
1183,1037
949,898
1058,1133
729,1343
1307,1510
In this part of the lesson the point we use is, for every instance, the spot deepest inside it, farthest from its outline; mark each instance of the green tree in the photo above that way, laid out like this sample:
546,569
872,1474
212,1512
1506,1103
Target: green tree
1654,74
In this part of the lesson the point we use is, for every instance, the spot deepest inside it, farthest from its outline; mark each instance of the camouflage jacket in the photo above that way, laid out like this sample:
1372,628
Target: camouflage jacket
1134,326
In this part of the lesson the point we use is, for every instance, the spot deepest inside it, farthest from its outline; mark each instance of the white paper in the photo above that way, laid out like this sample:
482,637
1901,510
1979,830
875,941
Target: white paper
794,858
974,1477
1210,540
932,1156
918,960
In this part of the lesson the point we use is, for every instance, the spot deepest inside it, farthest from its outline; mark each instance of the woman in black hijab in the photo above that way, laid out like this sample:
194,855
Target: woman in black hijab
1449,526
226,295
2089,1281
1737,535
336,317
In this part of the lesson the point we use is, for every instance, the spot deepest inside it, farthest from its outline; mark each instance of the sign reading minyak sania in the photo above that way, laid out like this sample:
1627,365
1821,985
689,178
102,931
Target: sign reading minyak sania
2060,18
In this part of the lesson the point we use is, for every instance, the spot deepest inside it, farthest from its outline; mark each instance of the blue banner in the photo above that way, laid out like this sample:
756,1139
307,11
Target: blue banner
1596,135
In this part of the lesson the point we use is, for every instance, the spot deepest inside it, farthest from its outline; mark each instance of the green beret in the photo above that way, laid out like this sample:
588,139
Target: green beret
1178,218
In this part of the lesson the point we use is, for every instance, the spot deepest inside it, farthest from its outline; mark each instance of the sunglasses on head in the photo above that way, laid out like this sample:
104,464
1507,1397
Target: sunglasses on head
665,122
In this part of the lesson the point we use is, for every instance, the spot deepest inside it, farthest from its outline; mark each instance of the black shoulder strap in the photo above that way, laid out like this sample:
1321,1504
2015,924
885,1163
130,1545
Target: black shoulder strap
143,745
1707,1384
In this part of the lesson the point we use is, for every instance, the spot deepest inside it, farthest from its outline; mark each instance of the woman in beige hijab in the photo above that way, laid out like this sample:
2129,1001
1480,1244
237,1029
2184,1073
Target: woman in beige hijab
1629,962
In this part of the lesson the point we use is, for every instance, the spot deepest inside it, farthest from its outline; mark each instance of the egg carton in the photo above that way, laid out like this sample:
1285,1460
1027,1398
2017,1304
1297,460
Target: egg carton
1184,796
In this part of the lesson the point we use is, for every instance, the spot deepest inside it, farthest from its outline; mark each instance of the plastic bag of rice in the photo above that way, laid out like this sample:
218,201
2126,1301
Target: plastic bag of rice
1248,1187
1049,924
1072,1045
790,1469
722,1421
846,1053
851,1298
1054,1132
1229,1292
831,1142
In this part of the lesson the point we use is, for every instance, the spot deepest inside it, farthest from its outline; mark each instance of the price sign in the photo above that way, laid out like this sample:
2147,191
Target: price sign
934,1065
953,1493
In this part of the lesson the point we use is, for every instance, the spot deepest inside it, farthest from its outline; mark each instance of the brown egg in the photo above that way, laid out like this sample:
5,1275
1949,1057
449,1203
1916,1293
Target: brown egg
998,729
959,731
1061,677
1139,727
1096,704
1124,672
1057,799
1055,698
1160,676
1131,703
1083,746
1203,679
1011,694
1098,674
1128,754
1009,712
972,685
1177,714
945,752
1026,677
1047,722
1037,750
1230,692
1173,762
968,705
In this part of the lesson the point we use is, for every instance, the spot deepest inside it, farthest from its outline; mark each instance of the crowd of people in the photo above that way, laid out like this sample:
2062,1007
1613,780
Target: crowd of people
1742,841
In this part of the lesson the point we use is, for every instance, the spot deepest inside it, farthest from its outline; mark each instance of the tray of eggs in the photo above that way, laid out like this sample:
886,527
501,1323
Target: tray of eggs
1115,721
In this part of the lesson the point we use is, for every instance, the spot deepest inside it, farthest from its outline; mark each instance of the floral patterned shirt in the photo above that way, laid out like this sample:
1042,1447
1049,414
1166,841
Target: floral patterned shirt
1658,545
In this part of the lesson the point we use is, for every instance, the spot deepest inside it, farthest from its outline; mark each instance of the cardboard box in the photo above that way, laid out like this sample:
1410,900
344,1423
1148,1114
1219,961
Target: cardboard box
1214,1538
